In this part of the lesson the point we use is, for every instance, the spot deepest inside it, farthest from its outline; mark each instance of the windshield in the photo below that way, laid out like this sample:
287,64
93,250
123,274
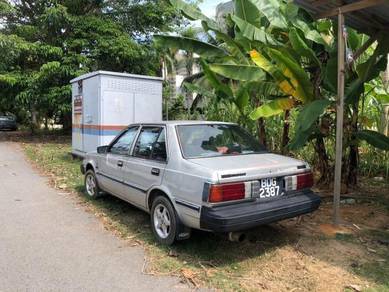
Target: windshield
216,140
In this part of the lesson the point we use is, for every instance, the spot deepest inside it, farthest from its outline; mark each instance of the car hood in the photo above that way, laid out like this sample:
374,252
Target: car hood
251,166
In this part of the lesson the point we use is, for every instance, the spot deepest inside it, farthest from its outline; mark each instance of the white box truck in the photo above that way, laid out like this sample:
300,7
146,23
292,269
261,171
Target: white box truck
104,103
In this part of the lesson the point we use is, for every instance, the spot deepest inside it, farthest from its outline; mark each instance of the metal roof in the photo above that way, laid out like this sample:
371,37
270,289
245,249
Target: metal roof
368,17
117,74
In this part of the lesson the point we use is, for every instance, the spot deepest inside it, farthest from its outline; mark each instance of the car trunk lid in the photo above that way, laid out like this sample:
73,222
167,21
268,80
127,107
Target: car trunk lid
251,166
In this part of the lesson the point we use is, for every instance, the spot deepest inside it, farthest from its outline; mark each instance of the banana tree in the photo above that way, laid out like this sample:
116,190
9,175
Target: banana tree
296,66
226,63
274,42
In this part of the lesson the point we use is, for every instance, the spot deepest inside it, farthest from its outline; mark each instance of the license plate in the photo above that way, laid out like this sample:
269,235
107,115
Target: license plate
266,188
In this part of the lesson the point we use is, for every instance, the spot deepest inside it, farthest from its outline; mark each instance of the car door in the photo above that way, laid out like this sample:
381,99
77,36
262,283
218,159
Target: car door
110,171
145,167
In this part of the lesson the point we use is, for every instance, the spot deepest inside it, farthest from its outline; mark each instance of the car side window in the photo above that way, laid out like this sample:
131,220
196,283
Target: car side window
159,147
151,144
123,145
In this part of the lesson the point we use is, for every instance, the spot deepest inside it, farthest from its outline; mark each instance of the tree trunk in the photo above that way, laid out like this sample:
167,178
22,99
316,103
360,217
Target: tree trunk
33,122
285,133
67,122
353,157
323,165
262,132
261,125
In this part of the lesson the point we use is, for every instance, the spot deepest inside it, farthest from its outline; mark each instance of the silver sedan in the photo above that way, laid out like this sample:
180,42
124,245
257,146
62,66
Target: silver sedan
211,176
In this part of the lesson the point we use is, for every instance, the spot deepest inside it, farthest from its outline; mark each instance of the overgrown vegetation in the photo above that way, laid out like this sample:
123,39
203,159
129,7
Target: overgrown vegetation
271,63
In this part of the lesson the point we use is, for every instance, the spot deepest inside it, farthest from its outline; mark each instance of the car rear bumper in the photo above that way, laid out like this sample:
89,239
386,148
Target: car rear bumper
236,217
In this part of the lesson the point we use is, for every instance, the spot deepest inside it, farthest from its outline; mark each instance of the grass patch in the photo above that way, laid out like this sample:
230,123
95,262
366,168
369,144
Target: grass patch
377,269
346,237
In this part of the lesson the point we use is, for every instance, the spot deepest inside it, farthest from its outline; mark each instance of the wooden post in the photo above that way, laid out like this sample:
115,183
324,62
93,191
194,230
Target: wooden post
339,119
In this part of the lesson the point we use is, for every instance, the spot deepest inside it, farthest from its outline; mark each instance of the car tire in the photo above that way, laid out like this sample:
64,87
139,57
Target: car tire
164,221
91,185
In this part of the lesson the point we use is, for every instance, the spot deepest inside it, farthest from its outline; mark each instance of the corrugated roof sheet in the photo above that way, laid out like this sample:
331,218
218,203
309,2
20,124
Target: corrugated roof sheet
368,20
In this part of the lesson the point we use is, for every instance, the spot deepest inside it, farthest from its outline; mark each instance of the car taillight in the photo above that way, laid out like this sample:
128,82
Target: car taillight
226,192
299,181
304,181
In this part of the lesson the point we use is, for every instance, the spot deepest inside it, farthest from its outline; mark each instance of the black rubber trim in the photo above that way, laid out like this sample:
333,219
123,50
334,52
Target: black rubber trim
188,205
246,215
121,182
205,194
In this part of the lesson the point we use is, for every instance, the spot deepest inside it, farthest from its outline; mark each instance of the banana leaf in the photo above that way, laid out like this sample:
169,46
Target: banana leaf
232,46
305,122
188,44
375,139
252,32
192,12
239,72
272,108
271,9
280,79
297,76
301,47
309,33
247,11
216,83
242,98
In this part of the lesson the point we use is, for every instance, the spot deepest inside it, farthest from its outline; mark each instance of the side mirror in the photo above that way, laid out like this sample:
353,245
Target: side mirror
102,149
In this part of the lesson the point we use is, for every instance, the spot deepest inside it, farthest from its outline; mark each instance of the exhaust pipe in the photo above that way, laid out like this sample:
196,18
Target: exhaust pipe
236,236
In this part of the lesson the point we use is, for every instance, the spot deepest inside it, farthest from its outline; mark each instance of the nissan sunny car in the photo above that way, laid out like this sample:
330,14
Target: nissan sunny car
211,176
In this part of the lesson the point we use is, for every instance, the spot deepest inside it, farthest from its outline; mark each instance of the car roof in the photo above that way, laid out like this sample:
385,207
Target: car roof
187,122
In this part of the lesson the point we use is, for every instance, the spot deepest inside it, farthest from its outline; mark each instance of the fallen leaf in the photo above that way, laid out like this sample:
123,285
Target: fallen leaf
371,250
354,287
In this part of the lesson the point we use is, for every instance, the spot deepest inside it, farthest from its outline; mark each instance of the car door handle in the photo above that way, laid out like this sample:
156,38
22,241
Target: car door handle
155,171
120,163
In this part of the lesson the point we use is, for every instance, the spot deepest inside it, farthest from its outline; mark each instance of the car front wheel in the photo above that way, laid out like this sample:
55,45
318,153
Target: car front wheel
163,221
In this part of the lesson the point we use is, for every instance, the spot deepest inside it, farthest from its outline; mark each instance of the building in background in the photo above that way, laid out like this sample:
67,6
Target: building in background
222,10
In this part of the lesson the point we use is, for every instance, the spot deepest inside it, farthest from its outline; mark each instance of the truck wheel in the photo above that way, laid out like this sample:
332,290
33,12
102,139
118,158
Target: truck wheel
91,185
164,221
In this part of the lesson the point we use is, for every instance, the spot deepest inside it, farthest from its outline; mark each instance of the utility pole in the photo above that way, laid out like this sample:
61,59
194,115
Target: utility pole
339,117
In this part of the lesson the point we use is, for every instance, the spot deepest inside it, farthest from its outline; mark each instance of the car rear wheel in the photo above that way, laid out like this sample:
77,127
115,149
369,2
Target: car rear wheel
164,221
91,185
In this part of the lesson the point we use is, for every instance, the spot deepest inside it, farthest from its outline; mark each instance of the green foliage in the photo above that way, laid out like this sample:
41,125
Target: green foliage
272,108
189,44
44,44
305,121
374,138
253,33
238,72
297,61
272,10
300,46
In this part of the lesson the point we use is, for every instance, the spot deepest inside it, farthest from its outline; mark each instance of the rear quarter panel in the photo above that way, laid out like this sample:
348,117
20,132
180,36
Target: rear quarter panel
184,182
